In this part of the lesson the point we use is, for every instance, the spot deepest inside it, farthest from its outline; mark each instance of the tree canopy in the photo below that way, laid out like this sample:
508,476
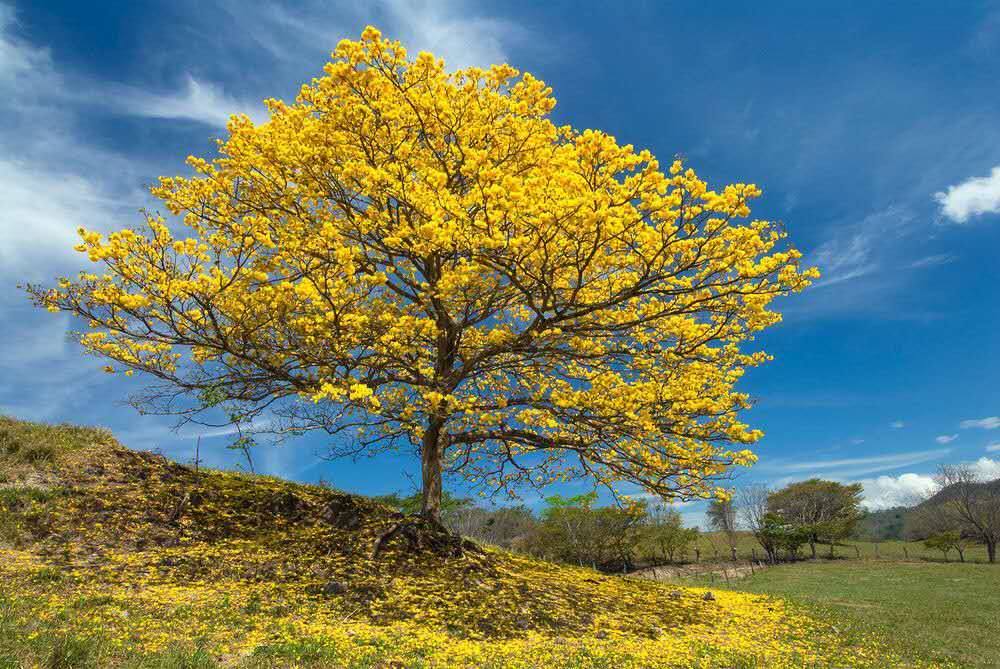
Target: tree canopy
823,510
415,259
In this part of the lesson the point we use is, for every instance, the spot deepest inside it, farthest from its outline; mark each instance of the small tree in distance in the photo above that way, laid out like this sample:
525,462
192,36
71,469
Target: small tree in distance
665,536
752,514
721,516
407,258
946,542
970,505
823,510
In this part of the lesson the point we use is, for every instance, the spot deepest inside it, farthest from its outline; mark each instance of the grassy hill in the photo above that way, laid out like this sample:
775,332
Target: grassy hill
115,558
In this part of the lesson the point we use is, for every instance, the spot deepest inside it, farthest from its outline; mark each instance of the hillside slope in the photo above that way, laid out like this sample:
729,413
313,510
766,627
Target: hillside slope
123,558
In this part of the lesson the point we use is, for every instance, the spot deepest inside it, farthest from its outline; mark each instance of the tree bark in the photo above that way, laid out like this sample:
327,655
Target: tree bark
430,461
991,551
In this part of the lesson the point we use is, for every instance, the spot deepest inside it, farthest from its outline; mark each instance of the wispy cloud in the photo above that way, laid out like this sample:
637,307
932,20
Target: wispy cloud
847,467
989,423
70,200
459,32
993,447
897,425
933,261
198,101
946,438
854,252
973,197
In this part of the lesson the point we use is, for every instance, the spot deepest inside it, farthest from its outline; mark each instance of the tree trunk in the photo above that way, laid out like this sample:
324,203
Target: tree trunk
430,460
991,551
812,547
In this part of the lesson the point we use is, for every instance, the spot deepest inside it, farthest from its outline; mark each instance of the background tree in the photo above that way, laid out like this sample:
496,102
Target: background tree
415,259
946,542
969,504
752,513
507,527
884,525
824,510
777,534
664,536
721,515
573,530
411,503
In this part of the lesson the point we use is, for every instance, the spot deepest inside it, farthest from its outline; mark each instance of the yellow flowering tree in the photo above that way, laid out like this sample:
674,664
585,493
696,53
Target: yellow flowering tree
408,257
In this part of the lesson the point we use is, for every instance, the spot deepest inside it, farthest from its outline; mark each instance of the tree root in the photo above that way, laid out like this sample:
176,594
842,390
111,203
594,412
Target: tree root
421,534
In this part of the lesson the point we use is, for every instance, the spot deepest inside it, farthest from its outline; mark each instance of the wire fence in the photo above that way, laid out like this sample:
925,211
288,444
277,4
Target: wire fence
713,547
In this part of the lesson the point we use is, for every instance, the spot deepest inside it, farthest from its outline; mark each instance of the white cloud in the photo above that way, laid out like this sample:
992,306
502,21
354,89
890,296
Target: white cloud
884,492
986,469
993,447
897,424
972,197
946,438
989,423
198,101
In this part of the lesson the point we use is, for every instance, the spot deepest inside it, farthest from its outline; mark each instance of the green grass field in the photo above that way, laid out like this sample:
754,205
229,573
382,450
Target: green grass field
931,610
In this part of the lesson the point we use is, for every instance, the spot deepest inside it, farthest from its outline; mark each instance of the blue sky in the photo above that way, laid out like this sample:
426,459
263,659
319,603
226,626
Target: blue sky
873,132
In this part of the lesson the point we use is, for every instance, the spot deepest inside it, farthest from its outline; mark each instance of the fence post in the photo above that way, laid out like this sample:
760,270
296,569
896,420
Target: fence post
732,549
753,553
697,554
906,553
876,549
857,551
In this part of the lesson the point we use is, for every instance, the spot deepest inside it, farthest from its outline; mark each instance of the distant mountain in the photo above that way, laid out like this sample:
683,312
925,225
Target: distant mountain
950,492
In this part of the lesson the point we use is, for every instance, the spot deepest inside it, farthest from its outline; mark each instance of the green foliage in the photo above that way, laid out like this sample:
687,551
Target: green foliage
573,530
70,652
822,510
411,503
664,536
888,524
49,574
721,516
946,542
181,658
777,535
